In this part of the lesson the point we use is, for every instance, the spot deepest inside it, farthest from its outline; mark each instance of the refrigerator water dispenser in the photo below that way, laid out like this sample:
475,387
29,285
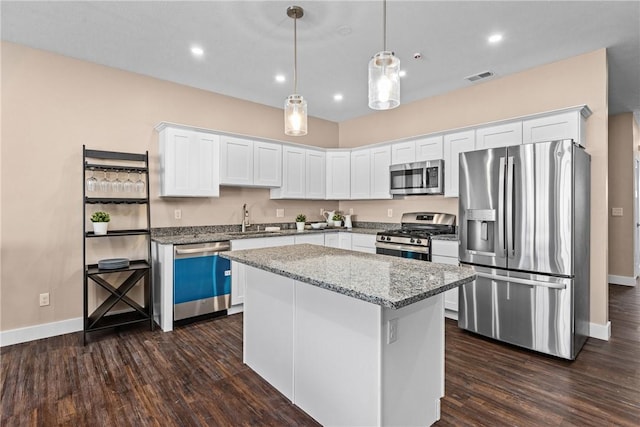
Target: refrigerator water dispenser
481,225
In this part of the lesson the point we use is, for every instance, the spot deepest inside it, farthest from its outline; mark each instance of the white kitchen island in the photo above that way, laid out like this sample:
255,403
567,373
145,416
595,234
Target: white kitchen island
351,338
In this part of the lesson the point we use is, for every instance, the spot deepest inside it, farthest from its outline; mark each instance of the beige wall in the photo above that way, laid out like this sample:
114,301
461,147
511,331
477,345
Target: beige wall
51,105
574,81
621,165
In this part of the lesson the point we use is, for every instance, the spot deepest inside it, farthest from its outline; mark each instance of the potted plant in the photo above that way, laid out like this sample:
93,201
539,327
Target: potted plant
300,220
337,219
100,221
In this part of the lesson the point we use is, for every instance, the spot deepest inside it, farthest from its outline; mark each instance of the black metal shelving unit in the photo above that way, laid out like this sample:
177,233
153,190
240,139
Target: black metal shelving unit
117,282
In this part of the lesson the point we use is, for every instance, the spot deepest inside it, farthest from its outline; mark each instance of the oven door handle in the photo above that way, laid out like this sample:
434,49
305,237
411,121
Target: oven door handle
400,247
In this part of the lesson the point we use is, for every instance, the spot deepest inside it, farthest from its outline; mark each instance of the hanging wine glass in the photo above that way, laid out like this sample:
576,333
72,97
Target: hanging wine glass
129,186
140,183
92,182
116,185
105,184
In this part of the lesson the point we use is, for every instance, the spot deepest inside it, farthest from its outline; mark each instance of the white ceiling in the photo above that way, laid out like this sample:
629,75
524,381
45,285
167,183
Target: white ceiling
247,43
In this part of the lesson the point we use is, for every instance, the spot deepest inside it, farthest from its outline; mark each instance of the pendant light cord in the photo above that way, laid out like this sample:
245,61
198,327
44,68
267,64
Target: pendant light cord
295,54
384,25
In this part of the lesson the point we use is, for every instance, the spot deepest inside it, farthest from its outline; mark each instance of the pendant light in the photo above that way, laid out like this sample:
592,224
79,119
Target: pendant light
384,74
295,106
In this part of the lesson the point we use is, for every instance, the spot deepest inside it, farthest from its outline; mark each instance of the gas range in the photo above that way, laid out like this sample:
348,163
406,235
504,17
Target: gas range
413,239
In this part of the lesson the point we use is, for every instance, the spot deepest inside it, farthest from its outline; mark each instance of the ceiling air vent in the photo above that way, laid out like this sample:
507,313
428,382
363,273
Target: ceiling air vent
480,76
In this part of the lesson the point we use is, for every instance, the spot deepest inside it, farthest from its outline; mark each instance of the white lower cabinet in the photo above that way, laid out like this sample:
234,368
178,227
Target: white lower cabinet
446,252
238,271
341,240
312,239
363,243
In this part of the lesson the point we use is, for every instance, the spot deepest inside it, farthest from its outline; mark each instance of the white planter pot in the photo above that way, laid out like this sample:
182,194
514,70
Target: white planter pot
300,226
337,223
100,228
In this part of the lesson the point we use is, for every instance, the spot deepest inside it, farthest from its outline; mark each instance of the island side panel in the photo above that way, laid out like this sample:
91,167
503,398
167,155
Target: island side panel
413,365
337,357
268,328
162,282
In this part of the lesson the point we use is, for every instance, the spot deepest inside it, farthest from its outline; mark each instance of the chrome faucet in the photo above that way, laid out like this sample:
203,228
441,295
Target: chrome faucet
245,218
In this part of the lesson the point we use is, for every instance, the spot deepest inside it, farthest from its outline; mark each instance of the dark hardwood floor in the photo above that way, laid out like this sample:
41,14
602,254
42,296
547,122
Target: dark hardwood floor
195,377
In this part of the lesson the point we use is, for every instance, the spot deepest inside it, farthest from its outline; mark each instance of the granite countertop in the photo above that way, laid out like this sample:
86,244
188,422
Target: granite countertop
448,237
387,281
191,237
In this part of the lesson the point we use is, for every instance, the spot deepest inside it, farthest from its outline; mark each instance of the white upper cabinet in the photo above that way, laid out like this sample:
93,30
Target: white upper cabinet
338,175
403,152
380,161
303,174
236,161
370,173
454,144
267,164
248,163
429,148
499,136
360,173
316,172
566,125
417,150
189,163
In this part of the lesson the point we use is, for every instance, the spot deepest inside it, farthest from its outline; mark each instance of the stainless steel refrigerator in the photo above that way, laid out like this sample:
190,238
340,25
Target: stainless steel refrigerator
524,227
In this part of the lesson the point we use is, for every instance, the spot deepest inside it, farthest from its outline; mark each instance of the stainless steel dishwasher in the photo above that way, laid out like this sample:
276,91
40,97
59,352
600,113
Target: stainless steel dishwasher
202,279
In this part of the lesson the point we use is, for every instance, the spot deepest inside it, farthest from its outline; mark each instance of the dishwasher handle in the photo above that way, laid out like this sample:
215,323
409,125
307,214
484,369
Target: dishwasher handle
213,249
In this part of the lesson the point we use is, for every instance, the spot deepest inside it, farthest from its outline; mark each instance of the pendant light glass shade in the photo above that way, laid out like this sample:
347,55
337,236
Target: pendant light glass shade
295,115
295,106
384,81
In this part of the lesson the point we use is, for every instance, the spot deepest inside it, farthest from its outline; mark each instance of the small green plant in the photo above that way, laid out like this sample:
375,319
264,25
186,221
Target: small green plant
337,217
100,217
301,218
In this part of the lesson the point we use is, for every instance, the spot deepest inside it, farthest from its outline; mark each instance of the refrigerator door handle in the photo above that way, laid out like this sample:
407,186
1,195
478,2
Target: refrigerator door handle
521,281
510,201
501,201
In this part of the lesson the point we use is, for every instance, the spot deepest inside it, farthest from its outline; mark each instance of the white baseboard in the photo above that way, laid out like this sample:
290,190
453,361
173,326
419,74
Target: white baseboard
601,332
621,280
239,308
31,333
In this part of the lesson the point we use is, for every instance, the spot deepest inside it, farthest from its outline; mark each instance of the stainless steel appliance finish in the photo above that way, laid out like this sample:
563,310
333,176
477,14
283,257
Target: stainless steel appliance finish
417,178
413,239
524,226
202,279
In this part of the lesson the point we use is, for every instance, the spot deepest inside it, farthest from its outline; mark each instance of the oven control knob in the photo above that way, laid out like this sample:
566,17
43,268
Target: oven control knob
412,241
418,241
388,238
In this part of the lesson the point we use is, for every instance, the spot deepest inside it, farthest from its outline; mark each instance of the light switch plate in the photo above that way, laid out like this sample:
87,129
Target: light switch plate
390,213
279,213
392,331
616,211
177,213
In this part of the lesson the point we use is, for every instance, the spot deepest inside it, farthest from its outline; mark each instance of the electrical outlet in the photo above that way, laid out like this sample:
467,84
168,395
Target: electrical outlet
279,213
616,211
390,213
44,299
177,214
350,211
392,331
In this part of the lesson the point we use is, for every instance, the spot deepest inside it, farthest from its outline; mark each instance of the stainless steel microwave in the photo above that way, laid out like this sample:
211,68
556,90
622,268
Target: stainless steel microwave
417,178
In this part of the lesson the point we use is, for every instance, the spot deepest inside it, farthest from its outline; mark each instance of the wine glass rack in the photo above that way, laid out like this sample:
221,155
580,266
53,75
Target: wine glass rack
117,283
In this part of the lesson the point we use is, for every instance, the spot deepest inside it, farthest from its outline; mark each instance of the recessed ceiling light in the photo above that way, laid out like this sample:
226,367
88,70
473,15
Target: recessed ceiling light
402,73
337,97
197,51
280,78
495,38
